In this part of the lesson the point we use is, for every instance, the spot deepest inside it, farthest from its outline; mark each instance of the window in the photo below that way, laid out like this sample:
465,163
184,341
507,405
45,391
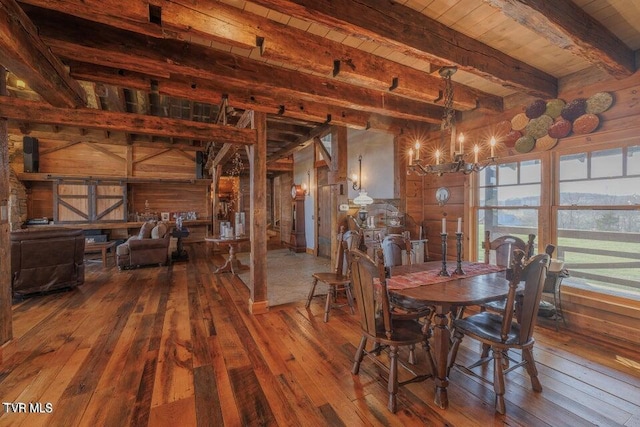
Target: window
508,200
598,217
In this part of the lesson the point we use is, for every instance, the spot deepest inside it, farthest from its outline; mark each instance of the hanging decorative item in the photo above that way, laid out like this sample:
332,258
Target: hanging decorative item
544,122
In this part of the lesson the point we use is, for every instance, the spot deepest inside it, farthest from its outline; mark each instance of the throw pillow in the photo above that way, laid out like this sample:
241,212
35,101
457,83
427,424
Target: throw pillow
145,230
159,231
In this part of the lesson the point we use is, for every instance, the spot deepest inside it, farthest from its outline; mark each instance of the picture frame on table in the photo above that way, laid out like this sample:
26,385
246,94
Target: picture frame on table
165,216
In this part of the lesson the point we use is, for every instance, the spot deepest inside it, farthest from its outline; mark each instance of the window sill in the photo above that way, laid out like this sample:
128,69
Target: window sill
596,289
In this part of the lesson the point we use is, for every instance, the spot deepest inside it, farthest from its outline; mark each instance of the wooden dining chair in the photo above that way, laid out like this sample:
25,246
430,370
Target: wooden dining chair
500,332
394,246
339,279
503,247
378,325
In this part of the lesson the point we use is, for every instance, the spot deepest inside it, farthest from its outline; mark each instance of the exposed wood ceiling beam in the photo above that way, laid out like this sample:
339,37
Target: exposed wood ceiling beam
323,150
38,112
225,151
400,27
299,143
241,96
569,27
215,21
280,166
24,54
95,43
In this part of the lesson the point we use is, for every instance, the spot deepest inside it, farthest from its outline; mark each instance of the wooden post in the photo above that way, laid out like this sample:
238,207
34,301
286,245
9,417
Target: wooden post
339,190
5,262
258,162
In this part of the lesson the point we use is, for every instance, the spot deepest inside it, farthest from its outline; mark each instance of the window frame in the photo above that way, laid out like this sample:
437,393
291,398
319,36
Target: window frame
550,186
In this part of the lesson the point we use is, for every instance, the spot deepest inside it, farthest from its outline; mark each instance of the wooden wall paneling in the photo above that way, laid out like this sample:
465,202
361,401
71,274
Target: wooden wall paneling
40,200
452,210
151,162
61,157
6,328
169,197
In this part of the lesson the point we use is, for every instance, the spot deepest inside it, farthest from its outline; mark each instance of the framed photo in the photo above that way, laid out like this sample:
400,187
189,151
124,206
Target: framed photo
165,216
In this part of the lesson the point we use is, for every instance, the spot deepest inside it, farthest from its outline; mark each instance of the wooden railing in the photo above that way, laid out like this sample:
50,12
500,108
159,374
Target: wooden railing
623,252
622,249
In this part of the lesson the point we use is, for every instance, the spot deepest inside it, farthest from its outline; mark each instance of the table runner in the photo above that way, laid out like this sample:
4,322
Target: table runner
428,277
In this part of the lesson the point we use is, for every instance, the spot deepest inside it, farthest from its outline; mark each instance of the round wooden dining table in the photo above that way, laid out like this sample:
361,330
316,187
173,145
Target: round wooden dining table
420,284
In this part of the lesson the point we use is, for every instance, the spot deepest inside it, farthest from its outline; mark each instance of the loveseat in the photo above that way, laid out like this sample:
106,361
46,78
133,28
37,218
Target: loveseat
46,259
149,246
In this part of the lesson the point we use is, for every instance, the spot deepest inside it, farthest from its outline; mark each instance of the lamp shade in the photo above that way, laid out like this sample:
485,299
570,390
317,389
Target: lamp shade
363,199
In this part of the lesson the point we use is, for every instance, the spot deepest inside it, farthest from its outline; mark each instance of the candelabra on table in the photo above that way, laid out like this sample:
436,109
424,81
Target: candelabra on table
444,271
459,269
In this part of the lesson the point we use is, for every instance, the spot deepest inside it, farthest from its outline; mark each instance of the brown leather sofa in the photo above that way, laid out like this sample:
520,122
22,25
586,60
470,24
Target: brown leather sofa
149,246
46,259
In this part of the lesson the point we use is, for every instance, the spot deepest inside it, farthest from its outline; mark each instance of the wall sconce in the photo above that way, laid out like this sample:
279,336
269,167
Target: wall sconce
357,179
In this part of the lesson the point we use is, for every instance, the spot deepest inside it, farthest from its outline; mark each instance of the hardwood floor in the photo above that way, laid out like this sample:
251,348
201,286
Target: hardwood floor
176,346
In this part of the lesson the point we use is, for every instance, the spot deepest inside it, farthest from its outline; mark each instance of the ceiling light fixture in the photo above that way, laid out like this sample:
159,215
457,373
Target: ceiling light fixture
448,129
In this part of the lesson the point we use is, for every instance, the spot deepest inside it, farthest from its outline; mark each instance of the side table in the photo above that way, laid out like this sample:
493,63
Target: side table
232,264
180,254
102,247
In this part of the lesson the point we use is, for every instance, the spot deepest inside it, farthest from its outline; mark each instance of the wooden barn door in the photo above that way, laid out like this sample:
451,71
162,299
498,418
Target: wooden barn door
89,201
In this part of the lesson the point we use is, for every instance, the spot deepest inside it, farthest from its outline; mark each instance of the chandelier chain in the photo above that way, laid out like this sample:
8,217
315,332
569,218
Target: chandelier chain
448,115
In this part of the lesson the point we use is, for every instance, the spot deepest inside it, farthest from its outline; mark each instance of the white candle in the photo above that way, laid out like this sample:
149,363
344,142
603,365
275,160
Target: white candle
461,139
410,156
459,225
493,146
444,225
437,157
417,150
476,149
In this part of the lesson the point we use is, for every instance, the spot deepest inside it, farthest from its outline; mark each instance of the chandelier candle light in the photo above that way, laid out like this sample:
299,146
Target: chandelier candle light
458,162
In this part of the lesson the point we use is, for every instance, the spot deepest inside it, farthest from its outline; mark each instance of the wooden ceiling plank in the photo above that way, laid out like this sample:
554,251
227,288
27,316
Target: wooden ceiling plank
25,54
567,26
421,37
37,112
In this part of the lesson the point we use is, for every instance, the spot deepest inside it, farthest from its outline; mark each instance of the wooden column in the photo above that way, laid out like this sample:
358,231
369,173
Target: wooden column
258,162
5,262
338,181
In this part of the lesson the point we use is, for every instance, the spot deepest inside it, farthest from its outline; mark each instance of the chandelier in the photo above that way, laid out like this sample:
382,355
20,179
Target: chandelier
458,162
